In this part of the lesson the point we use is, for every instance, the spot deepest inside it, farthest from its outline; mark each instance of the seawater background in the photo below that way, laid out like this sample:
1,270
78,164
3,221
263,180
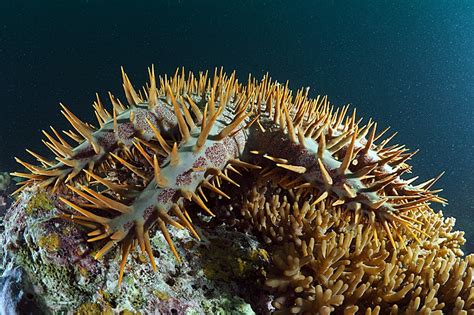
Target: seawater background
407,64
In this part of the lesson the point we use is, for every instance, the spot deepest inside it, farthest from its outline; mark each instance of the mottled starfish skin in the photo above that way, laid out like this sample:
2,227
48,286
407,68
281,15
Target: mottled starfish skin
183,177
299,142
275,143
108,140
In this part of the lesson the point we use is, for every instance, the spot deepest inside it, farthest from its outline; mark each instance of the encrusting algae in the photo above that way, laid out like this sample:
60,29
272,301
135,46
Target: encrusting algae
49,242
345,232
39,201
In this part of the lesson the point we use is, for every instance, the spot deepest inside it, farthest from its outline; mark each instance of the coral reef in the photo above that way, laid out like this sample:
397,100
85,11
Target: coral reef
342,227
323,262
54,253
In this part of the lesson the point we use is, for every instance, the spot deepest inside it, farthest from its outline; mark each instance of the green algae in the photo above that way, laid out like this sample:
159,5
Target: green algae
49,242
40,201
48,274
89,308
227,261
162,295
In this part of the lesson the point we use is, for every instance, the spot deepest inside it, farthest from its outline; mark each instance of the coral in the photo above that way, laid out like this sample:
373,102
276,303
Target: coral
323,262
343,227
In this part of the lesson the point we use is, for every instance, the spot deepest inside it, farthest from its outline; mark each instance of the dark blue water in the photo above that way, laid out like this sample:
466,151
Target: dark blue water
407,64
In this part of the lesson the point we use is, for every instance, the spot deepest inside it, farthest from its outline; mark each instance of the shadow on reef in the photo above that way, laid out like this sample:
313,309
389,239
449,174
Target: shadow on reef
17,295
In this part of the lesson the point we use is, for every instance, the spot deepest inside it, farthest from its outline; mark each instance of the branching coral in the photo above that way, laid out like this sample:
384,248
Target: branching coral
353,215
323,261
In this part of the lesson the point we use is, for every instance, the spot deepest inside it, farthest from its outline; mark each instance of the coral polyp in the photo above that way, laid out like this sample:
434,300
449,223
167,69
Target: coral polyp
180,136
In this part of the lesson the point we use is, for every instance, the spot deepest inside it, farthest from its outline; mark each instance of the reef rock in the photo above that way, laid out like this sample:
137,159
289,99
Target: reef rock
55,255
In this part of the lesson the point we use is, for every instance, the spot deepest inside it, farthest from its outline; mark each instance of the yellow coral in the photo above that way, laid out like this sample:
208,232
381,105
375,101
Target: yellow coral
40,200
259,253
323,261
49,242
89,309
83,271
163,296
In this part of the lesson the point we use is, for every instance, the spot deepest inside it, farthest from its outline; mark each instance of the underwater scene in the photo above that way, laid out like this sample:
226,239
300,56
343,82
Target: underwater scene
237,157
